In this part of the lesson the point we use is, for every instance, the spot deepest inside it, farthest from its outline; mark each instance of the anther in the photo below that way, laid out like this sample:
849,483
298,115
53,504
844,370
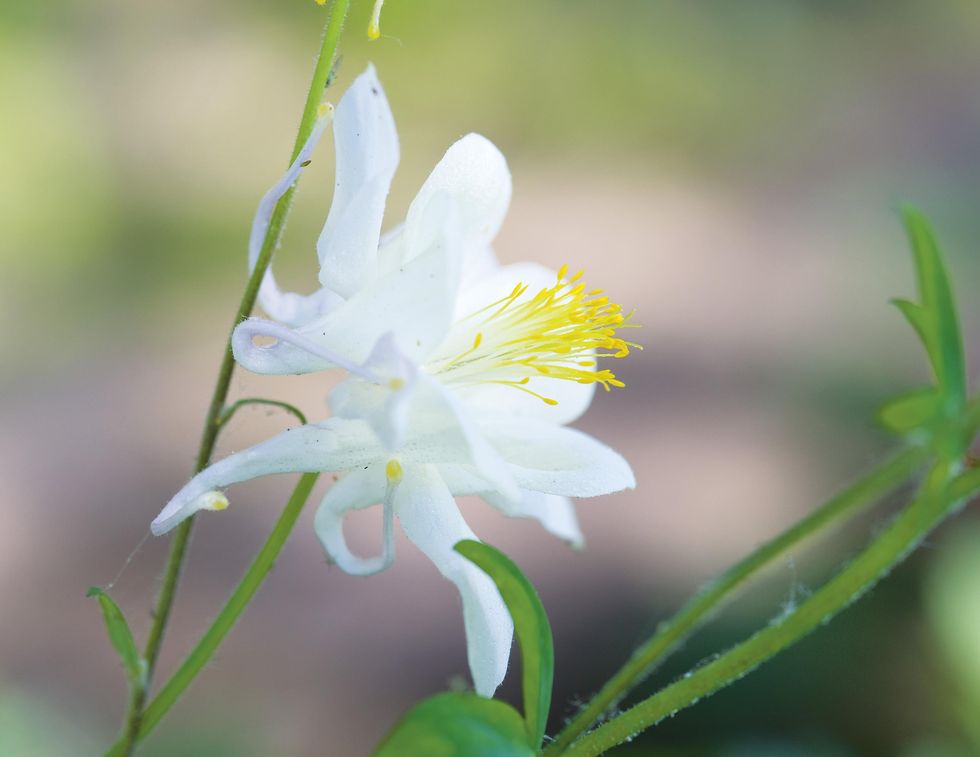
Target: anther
374,27
393,470
215,501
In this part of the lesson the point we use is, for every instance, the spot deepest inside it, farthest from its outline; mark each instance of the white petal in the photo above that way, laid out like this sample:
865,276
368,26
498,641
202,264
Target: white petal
286,307
558,460
292,352
436,413
475,174
360,488
555,513
367,156
430,518
385,402
413,303
480,263
334,445
493,400
429,425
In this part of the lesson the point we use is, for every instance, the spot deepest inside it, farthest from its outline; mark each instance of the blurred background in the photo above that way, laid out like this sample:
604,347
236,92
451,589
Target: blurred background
730,170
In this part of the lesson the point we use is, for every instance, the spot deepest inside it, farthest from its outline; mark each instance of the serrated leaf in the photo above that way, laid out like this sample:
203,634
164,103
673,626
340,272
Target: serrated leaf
458,725
910,411
120,636
531,627
937,323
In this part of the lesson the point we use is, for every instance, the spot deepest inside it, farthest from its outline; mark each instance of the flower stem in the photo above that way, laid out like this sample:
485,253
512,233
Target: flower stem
229,614
938,499
179,545
701,608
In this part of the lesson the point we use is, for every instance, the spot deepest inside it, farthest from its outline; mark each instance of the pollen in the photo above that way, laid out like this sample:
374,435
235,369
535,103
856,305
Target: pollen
561,332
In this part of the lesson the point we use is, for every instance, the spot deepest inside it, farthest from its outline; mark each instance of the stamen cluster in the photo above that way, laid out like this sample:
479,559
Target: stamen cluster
560,332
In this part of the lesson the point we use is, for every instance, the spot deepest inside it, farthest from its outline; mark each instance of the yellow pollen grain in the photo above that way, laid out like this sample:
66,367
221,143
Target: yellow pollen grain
393,470
396,383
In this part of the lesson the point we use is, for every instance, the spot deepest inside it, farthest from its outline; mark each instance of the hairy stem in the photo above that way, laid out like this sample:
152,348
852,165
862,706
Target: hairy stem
179,545
937,500
702,607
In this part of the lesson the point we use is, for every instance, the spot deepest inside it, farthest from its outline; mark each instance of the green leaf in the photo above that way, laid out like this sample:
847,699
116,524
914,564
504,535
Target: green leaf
532,628
935,318
463,725
911,411
121,637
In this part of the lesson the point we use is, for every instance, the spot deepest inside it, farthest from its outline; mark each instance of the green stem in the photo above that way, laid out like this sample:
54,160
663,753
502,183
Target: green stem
938,499
236,406
181,539
229,614
702,607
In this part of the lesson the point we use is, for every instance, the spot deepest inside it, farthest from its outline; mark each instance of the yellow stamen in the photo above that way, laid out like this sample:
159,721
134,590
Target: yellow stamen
557,333
374,26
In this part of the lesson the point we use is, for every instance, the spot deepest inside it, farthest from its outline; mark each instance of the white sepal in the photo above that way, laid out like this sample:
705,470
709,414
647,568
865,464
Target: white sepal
367,156
431,519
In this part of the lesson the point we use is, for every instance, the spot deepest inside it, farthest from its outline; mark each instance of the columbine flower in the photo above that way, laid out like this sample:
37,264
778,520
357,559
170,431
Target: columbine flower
462,372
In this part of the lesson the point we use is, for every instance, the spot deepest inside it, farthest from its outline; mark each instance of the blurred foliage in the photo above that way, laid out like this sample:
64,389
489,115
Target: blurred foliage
953,601
137,138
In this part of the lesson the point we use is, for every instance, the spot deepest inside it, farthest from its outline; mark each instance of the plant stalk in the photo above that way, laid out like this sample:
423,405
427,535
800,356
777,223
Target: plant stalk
228,616
938,499
181,540
702,607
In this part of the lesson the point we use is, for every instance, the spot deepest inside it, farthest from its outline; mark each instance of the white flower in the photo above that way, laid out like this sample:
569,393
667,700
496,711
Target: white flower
462,372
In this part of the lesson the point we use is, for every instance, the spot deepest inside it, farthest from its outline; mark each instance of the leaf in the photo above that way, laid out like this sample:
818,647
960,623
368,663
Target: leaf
121,637
531,626
935,318
911,411
451,724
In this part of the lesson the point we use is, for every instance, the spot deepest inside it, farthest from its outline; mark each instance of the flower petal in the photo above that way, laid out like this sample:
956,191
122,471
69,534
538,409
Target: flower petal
431,519
475,174
367,156
336,444
385,402
360,488
556,460
287,307
435,412
413,303
555,513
